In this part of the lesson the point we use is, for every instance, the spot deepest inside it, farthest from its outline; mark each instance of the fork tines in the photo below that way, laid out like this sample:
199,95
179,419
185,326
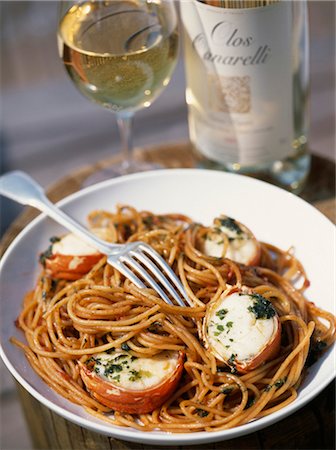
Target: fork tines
145,267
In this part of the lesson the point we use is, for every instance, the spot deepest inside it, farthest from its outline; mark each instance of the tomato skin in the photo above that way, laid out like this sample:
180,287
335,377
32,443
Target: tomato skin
70,267
127,400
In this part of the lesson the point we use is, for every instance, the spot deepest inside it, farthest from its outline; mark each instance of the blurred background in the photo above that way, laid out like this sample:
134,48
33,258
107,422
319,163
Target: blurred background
48,129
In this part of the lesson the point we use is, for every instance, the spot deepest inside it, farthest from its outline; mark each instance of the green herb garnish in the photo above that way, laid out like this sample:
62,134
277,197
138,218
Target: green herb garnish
232,358
54,239
279,383
202,412
148,221
135,375
262,308
119,357
116,378
221,313
112,368
250,402
220,329
45,255
230,224
48,253
125,347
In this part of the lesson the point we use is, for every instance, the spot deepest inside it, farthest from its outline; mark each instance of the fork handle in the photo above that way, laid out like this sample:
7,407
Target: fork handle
21,188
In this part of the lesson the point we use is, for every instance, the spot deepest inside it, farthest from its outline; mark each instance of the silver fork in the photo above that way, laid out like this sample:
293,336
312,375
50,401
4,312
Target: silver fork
137,261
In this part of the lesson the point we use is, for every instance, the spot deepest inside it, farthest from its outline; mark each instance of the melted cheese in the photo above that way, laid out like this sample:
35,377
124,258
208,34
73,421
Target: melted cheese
70,244
132,373
232,329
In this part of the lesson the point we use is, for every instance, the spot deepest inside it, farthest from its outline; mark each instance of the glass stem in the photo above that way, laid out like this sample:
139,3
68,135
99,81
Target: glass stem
125,125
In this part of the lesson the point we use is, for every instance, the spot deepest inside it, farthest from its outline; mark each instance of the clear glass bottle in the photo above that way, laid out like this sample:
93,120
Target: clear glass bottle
247,80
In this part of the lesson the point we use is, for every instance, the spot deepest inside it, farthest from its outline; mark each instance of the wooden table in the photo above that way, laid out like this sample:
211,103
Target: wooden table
311,427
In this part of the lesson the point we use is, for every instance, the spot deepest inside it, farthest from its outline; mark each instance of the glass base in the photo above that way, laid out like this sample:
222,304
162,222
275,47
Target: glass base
119,169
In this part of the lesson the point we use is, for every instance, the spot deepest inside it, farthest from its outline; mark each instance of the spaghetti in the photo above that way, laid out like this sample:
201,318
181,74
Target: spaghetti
68,322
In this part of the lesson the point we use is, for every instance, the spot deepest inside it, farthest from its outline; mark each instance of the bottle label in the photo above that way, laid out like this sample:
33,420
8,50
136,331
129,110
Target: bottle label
244,107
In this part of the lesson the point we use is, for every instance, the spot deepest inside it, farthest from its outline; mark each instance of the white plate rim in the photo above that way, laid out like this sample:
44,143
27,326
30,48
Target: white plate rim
157,437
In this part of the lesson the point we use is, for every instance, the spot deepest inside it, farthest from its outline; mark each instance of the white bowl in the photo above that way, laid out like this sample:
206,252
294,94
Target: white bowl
274,215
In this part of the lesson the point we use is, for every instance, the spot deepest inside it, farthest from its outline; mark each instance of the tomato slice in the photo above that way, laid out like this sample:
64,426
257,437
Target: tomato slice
116,391
70,267
69,258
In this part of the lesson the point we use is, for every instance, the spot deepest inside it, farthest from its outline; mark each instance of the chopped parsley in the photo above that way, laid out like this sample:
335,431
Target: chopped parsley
201,412
230,224
112,368
232,359
54,239
154,327
229,324
118,358
220,329
221,313
45,255
250,402
125,347
48,253
279,383
148,221
116,378
135,375
231,362
262,308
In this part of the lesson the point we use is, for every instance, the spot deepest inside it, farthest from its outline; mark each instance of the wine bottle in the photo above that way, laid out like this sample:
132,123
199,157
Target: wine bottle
247,87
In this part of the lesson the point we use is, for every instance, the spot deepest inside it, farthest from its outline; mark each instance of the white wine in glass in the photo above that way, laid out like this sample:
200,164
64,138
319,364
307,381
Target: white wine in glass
120,54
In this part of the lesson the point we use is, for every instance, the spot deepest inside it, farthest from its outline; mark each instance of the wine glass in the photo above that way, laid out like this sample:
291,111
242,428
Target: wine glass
120,54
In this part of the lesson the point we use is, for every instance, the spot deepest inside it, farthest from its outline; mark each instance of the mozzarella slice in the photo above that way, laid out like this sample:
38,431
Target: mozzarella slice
242,245
242,329
70,244
132,373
